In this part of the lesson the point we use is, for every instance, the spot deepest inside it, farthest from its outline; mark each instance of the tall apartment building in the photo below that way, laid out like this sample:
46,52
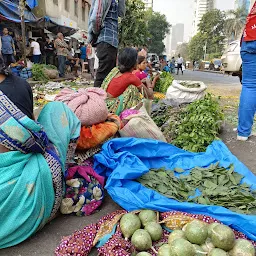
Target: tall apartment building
177,35
245,3
148,3
201,7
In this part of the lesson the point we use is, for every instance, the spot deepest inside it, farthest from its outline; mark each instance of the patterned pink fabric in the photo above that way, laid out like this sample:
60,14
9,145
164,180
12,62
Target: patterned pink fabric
128,112
88,104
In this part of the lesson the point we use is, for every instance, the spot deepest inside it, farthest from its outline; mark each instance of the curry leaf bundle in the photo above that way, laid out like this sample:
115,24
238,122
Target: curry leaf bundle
214,185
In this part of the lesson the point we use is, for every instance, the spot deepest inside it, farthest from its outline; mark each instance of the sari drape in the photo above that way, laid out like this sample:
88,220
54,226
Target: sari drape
31,174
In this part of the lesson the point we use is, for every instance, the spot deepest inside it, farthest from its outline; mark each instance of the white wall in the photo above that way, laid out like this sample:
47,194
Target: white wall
59,11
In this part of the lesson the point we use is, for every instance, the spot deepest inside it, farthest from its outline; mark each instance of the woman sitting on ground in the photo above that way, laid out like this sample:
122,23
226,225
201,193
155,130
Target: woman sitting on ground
32,159
124,88
142,75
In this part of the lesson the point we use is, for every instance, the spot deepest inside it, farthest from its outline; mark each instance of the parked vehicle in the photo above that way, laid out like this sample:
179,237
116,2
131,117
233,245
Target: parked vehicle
153,59
217,64
206,65
231,59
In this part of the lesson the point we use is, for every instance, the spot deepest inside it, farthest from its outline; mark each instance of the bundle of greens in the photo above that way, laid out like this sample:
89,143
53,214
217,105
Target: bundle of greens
164,82
38,72
199,126
218,186
190,85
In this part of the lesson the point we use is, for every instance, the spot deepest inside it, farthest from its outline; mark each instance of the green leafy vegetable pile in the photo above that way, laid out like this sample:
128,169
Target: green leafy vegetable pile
199,126
218,186
38,72
190,85
164,82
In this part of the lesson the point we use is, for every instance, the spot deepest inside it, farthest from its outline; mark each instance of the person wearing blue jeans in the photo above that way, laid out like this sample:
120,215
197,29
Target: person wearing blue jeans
62,64
247,107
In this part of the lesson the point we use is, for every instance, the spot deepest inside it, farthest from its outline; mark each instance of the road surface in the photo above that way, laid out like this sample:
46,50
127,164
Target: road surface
209,78
44,242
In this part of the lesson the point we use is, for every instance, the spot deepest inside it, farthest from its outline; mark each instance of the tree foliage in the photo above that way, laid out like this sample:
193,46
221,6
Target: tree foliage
183,50
133,29
158,28
211,35
235,23
196,46
143,27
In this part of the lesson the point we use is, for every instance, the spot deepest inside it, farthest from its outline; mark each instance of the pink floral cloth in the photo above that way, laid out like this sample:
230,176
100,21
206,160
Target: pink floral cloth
84,191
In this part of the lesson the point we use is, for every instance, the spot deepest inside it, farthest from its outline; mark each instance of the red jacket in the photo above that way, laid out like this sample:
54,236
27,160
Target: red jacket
250,28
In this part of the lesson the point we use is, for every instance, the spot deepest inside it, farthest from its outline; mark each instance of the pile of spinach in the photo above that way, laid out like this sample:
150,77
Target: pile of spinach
217,186
199,126
164,82
38,72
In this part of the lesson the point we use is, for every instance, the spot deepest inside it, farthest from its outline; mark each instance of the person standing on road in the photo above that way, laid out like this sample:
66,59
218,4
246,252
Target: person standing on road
8,47
35,48
247,107
103,33
180,63
62,52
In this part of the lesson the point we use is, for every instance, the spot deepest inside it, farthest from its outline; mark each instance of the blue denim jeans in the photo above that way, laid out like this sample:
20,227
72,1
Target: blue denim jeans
62,63
247,106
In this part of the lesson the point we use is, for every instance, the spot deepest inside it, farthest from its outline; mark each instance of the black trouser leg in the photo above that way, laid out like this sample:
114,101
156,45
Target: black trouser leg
106,54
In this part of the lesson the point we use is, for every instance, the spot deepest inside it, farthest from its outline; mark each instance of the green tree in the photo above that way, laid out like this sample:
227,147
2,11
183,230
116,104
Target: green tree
133,29
235,23
183,50
158,28
210,35
196,47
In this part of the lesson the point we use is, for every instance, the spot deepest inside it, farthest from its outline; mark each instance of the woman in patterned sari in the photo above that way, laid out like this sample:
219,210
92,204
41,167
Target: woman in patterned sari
32,159
124,88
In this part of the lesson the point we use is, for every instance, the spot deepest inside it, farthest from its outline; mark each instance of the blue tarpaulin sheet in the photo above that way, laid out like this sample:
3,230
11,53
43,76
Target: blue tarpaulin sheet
10,11
126,159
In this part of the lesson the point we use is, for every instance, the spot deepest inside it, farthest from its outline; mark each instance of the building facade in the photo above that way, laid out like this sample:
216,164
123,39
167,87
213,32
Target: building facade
201,7
243,3
70,13
148,3
177,36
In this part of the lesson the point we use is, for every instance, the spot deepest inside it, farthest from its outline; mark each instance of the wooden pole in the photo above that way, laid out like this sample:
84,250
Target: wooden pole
22,6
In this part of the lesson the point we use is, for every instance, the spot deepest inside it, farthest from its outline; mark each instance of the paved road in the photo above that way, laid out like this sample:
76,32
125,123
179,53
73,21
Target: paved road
209,78
45,241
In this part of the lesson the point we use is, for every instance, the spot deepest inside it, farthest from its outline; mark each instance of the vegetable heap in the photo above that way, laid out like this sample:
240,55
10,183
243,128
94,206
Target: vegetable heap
199,126
164,82
38,72
218,186
197,238
190,85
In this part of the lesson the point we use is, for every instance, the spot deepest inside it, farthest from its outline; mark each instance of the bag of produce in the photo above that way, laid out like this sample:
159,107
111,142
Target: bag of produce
141,126
186,91
51,73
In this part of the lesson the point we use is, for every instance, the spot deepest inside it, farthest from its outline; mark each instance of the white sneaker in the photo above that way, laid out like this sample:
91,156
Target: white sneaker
241,138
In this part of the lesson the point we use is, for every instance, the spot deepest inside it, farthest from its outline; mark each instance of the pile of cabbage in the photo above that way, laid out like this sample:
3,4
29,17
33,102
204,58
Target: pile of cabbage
197,238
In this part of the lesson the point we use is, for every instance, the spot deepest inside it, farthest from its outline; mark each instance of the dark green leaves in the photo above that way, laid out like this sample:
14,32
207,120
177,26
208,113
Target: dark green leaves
218,186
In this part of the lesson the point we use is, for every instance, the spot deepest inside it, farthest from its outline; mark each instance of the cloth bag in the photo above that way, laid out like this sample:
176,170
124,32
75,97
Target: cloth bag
141,126
88,104
182,94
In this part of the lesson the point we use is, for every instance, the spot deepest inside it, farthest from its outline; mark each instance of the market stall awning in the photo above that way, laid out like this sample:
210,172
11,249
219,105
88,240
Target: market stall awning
9,10
53,26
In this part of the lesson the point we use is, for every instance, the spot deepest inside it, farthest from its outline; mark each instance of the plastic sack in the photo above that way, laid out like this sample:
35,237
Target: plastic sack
141,126
183,94
125,160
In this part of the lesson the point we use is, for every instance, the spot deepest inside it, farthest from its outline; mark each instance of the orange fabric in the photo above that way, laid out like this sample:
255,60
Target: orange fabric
95,135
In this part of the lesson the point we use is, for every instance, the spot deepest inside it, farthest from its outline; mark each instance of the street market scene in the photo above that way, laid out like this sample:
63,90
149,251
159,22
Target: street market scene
127,127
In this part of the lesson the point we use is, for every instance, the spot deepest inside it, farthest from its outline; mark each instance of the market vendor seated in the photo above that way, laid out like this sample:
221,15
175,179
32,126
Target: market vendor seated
73,63
142,75
32,159
122,86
